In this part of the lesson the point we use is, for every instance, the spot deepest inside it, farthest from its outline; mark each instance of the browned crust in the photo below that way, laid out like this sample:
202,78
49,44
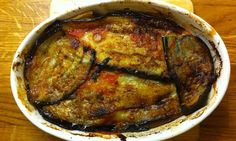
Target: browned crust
192,69
103,116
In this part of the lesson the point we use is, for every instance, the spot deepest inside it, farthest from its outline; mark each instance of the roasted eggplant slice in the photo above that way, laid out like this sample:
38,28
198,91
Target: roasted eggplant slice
123,71
128,44
118,99
191,65
59,65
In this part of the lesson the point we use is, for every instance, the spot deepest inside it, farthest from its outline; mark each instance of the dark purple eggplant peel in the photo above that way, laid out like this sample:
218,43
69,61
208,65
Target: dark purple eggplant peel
191,66
123,71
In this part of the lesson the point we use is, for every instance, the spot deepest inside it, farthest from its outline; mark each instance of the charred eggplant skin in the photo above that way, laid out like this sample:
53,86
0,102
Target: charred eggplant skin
109,126
176,73
141,35
137,73
100,68
138,127
55,28
107,102
191,66
40,103
49,31
142,18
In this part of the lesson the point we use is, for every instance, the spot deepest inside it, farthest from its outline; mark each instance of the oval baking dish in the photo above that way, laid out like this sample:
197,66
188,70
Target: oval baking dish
191,23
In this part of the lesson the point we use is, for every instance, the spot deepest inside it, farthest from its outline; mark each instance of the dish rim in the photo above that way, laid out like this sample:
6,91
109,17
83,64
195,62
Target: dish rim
225,75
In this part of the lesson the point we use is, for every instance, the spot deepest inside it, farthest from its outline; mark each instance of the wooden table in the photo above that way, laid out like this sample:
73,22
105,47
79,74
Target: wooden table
17,18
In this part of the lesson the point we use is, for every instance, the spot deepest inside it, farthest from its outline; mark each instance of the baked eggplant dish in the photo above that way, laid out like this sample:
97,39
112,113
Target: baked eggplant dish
118,72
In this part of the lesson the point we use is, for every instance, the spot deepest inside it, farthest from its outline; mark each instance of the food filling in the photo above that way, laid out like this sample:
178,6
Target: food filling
119,72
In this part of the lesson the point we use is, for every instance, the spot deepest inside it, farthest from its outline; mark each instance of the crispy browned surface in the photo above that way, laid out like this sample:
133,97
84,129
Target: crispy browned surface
134,65
165,111
112,92
26,14
127,43
57,68
191,63
118,99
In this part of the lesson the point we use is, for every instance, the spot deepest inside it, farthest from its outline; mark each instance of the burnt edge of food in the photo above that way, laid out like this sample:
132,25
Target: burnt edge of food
165,23
202,101
137,127
101,112
143,18
137,73
162,21
67,125
68,96
99,68
49,31
171,74
122,137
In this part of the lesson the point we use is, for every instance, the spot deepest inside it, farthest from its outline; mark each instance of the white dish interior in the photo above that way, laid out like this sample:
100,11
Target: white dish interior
188,20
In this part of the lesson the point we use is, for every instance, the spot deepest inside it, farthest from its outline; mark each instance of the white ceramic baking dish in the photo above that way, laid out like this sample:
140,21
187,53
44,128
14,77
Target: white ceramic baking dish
187,20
